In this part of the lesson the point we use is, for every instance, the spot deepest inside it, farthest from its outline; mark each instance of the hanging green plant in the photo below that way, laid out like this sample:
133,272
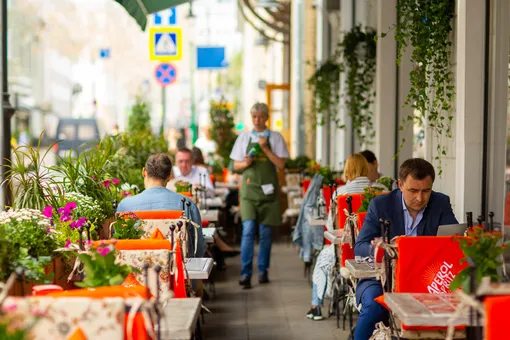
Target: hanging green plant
359,60
358,54
426,26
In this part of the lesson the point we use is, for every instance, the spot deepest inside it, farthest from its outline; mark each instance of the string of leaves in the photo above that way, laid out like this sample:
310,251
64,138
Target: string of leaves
426,26
359,60
355,55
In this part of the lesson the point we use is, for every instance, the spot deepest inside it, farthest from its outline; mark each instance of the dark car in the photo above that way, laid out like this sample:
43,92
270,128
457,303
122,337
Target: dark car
76,134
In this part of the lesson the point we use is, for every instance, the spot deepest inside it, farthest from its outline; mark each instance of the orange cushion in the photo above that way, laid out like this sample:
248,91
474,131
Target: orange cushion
380,300
432,262
77,335
135,244
159,214
496,308
157,235
103,292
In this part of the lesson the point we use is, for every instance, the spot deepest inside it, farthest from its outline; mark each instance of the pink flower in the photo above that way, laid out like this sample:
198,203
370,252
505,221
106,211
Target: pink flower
48,211
66,211
78,223
93,177
115,181
9,307
68,243
103,251
106,183
127,193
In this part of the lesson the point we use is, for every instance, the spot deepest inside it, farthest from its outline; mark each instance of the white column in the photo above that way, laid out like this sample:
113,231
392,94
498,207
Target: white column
385,80
498,107
469,102
296,78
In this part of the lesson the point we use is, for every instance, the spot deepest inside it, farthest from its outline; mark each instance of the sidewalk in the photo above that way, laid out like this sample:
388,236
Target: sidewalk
273,311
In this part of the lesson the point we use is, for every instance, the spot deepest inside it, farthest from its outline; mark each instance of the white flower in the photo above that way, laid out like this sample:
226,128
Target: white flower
125,186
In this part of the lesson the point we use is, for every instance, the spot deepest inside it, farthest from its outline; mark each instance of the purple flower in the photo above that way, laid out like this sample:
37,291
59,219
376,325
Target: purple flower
70,206
103,251
126,193
48,211
78,223
66,211
116,181
68,243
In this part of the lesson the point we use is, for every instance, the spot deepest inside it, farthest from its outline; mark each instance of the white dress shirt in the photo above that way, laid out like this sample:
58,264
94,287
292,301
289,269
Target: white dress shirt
194,178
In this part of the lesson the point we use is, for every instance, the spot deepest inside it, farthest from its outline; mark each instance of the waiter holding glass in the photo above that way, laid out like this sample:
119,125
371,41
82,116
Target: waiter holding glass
258,154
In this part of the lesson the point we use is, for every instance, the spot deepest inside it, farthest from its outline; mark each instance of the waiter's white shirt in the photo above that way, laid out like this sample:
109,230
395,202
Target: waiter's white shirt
276,143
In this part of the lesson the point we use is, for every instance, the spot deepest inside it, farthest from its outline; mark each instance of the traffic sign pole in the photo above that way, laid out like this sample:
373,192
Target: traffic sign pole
163,110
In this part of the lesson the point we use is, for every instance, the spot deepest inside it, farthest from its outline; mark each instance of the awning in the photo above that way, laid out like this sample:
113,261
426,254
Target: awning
140,9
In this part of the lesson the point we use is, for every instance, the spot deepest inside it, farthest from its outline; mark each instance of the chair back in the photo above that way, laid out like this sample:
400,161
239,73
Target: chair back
431,261
496,317
342,204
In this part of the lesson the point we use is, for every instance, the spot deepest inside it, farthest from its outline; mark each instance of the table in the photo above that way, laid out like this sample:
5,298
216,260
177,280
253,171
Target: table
362,270
286,189
230,186
179,319
216,202
423,309
209,215
334,236
199,268
209,233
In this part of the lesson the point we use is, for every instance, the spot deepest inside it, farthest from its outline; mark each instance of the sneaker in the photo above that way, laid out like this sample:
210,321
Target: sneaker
245,282
263,278
314,314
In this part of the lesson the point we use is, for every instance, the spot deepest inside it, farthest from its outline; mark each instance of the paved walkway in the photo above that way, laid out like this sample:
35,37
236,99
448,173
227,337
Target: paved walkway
273,311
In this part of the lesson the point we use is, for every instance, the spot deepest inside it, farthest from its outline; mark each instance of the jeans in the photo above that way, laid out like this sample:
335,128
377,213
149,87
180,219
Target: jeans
371,313
316,301
247,241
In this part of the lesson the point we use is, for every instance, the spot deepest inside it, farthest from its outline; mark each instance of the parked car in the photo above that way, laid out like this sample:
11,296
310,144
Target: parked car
76,135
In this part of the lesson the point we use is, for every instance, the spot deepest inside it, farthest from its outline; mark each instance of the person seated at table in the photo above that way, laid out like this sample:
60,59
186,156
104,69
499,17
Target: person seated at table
156,174
355,175
373,165
186,171
414,209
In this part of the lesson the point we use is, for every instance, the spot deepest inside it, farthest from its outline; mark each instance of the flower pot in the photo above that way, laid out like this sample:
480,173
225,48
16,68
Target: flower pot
105,233
225,175
24,288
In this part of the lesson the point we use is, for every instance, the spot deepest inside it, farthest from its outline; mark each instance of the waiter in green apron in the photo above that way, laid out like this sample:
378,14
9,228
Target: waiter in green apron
258,155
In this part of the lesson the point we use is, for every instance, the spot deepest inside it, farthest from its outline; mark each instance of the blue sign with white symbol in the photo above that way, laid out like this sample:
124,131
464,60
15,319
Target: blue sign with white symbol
104,53
166,74
165,18
211,58
166,44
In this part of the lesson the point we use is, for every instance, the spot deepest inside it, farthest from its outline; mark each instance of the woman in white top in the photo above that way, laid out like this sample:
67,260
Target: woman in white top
355,176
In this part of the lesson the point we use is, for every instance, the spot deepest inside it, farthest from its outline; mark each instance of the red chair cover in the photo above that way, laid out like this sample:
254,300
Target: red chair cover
496,317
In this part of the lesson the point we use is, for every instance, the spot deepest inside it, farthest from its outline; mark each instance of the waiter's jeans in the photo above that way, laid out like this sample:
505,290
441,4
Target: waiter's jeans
247,242
371,313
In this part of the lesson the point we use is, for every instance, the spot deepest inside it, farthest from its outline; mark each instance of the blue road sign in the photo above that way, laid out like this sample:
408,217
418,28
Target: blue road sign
165,43
165,18
104,53
211,58
165,74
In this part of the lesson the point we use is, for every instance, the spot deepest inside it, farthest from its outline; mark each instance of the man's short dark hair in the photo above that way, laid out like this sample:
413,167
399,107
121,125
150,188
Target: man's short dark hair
418,168
184,150
159,166
369,155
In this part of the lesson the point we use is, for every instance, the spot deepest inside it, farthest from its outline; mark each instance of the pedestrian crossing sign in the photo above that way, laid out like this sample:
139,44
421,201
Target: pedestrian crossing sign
165,43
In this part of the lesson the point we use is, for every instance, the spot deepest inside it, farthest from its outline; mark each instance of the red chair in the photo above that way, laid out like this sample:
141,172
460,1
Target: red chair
159,214
342,204
347,251
496,317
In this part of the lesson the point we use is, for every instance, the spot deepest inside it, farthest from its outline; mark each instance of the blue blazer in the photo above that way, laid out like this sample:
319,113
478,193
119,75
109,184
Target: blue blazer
389,206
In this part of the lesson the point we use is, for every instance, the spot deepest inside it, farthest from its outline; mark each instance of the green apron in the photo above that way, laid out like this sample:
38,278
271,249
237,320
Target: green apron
255,205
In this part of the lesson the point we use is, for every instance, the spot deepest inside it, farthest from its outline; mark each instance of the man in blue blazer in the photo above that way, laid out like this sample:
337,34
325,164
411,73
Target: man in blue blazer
414,210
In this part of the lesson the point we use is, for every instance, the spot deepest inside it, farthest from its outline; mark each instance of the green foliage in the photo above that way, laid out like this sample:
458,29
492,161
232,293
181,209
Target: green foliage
139,119
358,54
387,181
369,194
328,175
426,27
222,130
485,249
9,328
359,60
85,207
297,163
182,186
33,185
27,242
127,227
101,268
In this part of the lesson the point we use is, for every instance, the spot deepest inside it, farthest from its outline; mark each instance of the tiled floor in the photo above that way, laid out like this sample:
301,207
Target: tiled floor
273,311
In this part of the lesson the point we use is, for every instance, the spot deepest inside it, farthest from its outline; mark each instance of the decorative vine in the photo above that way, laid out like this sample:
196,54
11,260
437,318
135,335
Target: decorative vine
358,54
359,60
426,26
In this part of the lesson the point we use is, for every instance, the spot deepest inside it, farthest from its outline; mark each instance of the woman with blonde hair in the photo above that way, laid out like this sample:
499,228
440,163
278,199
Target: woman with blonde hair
355,175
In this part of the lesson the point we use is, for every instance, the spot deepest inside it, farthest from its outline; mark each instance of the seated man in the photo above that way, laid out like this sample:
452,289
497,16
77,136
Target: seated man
156,196
186,171
414,210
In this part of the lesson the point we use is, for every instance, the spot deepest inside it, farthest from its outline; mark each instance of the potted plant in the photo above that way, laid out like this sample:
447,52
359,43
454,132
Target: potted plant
127,226
369,194
222,130
27,242
183,188
101,268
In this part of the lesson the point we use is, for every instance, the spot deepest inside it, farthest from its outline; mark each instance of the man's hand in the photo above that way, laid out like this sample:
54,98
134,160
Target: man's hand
248,161
263,142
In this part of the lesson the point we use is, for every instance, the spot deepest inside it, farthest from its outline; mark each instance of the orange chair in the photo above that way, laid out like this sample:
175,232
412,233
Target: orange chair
159,214
342,204
432,262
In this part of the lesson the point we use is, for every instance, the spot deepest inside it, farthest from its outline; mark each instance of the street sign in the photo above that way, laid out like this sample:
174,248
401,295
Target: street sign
165,74
165,43
211,58
104,53
166,17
